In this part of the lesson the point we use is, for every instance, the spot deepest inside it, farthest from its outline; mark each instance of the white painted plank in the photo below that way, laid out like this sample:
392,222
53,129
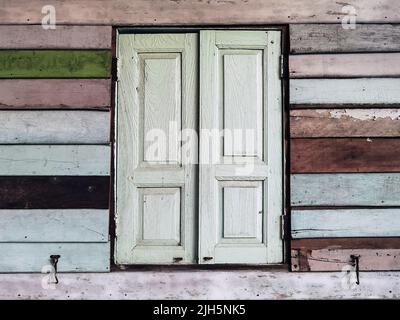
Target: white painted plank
272,284
341,91
54,127
349,189
74,257
345,223
83,225
42,160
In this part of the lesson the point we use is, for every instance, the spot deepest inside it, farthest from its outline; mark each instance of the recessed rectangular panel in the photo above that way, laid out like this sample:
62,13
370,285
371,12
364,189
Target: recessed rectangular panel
243,102
161,96
161,211
242,211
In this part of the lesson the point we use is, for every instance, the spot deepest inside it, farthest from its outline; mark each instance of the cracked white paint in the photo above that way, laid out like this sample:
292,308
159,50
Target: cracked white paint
363,114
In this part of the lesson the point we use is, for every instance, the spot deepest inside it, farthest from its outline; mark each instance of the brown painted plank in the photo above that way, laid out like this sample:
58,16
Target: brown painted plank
55,94
139,12
314,38
300,106
313,123
63,37
344,65
334,254
59,192
345,155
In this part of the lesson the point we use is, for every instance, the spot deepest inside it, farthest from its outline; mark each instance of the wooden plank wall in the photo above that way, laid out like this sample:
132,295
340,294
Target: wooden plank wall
55,97
345,142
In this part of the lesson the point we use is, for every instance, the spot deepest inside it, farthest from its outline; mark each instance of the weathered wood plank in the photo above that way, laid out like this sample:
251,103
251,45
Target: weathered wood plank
139,12
345,223
59,160
54,127
345,91
84,225
345,155
55,94
74,257
63,37
319,38
55,63
354,65
54,192
332,254
313,123
349,189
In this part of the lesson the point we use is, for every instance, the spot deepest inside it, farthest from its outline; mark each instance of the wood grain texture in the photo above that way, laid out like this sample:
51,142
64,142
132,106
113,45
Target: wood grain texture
319,38
63,37
54,192
139,12
54,127
315,123
55,94
345,155
348,189
55,64
83,225
345,91
332,254
74,257
58,160
354,65
345,223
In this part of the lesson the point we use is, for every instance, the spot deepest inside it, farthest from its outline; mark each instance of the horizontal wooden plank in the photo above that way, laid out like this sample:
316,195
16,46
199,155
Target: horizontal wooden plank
58,160
314,38
354,65
83,225
320,254
74,257
345,223
347,189
55,94
345,91
59,192
63,37
313,123
54,127
345,155
55,64
161,12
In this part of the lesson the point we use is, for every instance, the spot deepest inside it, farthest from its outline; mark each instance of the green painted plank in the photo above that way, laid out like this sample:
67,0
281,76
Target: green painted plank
348,189
55,63
345,223
56,160
74,257
75,225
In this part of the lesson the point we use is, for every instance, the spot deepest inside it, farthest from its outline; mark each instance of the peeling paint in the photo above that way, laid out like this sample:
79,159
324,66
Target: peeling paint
363,114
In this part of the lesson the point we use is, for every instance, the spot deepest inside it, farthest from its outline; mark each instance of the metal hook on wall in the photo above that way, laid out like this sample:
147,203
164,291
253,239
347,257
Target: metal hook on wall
355,261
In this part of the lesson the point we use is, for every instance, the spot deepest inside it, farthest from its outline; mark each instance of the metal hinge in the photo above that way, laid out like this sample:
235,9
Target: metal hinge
282,66
116,68
284,221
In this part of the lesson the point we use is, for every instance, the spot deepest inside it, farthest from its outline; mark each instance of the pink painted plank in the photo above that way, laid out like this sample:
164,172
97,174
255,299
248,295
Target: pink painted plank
63,37
55,94
344,65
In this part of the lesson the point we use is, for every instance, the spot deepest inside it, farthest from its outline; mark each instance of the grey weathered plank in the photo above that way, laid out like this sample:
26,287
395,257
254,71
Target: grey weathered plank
349,189
74,160
312,123
81,225
55,94
139,12
353,65
63,37
74,257
345,223
54,127
307,38
343,91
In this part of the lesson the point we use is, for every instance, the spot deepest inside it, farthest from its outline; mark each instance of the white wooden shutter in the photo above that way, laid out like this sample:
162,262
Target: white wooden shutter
156,186
240,184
